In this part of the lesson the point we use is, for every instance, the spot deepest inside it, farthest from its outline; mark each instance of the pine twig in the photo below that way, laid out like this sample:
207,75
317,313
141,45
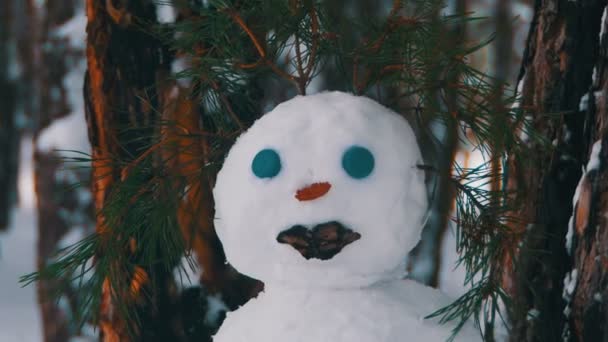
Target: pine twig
227,104
239,21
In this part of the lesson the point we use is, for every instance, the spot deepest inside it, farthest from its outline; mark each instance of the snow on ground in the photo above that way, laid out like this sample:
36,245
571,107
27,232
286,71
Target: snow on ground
19,315
451,277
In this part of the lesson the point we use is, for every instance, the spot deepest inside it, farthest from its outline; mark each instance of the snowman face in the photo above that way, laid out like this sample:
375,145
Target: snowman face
322,191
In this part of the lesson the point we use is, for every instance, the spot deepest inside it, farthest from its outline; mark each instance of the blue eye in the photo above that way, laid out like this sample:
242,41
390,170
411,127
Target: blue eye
358,162
266,164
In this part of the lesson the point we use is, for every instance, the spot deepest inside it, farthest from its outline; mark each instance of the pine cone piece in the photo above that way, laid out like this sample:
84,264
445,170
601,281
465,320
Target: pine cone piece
323,241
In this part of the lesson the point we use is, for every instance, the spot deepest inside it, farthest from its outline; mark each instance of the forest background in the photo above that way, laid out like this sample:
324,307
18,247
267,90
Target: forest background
42,68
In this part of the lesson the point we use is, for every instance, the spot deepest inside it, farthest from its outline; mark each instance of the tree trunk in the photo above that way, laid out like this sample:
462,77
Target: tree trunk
124,65
56,207
9,133
589,224
556,73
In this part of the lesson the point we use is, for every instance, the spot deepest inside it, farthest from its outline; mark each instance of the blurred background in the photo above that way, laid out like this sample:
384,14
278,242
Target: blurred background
42,68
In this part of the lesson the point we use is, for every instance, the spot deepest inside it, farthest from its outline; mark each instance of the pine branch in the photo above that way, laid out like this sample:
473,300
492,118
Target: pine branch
405,52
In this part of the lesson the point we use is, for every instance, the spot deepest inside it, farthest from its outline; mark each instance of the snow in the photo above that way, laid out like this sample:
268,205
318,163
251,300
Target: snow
75,30
594,159
311,134
358,294
532,314
165,13
180,65
215,308
69,132
518,93
451,276
523,134
594,76
592,164
597,297
603,24
570,282
19,313
570,233
186,274
19,316
584,102
386,312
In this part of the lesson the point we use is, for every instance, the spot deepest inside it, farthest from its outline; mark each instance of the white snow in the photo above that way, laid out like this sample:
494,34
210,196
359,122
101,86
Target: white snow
215,307
451,276
165,12
532,314
594,76
69,132
186,274
75,30
592,164
570,233
603,24
523,133
584,102
594,158
311,134
597,297
570,282
518,92
179,65
357,295
388,312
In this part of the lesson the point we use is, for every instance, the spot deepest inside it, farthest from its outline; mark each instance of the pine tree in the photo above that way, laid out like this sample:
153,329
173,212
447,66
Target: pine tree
9,133
557,276
158,145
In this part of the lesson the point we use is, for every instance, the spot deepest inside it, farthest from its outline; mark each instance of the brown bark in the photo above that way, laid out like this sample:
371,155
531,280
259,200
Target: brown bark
589,308
56,207
51,228
556,73
196,212
124,64
428,251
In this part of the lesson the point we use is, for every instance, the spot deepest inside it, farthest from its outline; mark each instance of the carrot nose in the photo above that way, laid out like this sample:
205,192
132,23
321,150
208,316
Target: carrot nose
312,191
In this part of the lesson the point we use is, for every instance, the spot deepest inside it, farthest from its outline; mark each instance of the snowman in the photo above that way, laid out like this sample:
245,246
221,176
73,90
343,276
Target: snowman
321,199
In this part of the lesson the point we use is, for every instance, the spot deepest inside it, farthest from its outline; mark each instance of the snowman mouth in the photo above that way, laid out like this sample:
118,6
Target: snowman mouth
323,241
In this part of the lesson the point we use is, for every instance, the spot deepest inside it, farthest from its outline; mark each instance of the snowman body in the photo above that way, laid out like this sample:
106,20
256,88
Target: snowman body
385,312
322,199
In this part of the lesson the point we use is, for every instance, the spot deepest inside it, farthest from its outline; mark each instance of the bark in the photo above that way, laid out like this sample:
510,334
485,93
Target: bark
196,213
51,228
56,207
9,133
589,309
124,64
556,72
425,259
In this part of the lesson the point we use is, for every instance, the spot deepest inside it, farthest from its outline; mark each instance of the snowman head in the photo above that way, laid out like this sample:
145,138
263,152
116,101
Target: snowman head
323,191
